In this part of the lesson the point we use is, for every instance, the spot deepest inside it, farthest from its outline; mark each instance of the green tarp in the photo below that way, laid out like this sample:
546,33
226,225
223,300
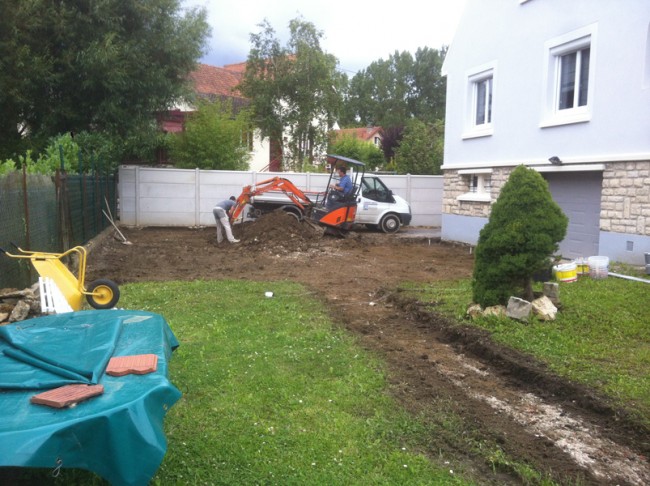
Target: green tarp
119,434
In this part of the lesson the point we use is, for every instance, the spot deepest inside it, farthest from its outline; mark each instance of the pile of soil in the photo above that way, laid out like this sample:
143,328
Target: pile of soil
568,431
279,231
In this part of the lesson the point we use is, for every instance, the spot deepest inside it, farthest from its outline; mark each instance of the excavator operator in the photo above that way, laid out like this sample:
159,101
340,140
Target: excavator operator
342,188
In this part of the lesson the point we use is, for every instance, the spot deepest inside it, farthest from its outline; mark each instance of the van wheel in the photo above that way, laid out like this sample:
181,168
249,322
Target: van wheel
293,211
390,223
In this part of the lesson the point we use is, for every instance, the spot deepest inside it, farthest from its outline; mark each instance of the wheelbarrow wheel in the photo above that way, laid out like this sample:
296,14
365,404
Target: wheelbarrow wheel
104,294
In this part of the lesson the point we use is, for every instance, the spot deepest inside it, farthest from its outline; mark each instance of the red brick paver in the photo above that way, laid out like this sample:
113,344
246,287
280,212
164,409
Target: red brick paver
67,395
138,364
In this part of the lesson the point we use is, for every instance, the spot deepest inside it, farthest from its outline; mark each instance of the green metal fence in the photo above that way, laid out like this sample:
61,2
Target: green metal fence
51,214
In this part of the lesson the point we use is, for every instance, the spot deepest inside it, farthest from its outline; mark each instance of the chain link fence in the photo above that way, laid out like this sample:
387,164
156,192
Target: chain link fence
50,214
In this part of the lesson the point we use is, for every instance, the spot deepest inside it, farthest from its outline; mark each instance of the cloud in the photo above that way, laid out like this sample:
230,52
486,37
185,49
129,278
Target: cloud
357,33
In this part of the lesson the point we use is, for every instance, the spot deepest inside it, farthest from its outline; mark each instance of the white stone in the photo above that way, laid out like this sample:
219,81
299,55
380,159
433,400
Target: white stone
552,291
495,310
544,308
474,311
519,309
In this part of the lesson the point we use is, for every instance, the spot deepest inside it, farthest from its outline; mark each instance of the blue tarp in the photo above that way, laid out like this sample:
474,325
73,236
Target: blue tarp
119,435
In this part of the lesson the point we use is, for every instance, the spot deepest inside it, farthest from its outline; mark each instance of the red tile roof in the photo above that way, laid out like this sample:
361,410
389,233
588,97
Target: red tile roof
238,68
216,81
363,133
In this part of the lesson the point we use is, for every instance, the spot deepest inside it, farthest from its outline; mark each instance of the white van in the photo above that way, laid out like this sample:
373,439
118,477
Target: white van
379,208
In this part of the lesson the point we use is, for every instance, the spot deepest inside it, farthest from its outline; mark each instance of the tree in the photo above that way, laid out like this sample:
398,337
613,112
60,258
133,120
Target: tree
393,91
523,231
421,148
429,85
294,90
391,138
378,95
108,65
212,139
361,150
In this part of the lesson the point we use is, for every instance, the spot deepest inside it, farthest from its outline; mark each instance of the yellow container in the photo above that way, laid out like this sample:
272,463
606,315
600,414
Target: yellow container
566,272
582,266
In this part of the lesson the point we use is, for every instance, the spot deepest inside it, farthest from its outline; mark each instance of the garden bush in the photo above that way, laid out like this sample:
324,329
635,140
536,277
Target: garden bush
522,233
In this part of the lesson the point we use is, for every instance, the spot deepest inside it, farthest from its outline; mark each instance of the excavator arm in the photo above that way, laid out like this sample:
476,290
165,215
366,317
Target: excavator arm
275,184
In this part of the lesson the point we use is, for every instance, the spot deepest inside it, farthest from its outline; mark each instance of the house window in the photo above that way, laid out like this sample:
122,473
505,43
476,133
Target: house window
483,99
569,78
479,101
247,138
478,185
573,83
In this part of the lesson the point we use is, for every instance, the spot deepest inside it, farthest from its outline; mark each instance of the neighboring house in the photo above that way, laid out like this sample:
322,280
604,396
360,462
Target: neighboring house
367,134
564,88
220,83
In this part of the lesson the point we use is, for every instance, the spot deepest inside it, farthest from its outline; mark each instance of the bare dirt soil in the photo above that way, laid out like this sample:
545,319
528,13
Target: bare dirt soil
503,397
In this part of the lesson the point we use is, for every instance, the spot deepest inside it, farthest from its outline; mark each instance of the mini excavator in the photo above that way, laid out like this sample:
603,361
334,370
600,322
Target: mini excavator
328,208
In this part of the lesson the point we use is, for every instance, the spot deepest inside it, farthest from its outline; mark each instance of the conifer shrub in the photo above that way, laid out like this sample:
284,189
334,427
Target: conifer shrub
522,233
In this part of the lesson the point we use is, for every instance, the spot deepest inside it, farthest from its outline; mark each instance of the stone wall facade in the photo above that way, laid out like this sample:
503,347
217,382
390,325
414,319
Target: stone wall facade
625,200
458,184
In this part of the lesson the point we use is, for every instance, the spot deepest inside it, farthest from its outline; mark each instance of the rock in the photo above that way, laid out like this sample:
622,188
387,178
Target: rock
474,311
34,305
6,308
519,309
20,312
544,308
552,291
7,291
495,310
18,305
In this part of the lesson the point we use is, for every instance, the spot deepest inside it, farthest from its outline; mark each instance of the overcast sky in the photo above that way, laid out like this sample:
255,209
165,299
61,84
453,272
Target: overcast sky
357,33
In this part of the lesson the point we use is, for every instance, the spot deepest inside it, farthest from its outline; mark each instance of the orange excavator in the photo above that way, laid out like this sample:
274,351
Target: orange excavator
329,208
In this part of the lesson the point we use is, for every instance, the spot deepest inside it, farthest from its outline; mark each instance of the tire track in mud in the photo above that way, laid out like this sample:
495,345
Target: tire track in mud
565,443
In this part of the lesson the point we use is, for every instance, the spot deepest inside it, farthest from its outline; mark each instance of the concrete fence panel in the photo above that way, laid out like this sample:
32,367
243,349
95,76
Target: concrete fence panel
185,197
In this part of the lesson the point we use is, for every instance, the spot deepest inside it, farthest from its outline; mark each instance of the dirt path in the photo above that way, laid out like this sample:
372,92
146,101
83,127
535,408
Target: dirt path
558,427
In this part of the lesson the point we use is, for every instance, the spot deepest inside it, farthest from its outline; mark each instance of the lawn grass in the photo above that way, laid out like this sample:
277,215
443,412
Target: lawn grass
601,335
272,394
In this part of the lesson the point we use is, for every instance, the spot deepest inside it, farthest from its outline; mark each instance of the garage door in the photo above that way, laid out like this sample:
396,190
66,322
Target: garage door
578,194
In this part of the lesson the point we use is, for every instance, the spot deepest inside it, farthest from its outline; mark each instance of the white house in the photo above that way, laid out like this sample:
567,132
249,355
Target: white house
220,83
563,87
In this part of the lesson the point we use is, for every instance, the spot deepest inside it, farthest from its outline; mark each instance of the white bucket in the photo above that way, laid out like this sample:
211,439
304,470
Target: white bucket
598,266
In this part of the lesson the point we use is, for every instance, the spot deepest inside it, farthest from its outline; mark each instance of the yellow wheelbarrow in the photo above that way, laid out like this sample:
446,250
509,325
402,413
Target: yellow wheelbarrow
100,294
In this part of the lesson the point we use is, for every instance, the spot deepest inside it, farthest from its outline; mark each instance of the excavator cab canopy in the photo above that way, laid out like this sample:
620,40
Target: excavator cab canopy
358,169
339,210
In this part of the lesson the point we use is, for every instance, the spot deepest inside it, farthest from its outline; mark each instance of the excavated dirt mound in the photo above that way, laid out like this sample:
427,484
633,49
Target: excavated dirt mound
279,231
561,428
